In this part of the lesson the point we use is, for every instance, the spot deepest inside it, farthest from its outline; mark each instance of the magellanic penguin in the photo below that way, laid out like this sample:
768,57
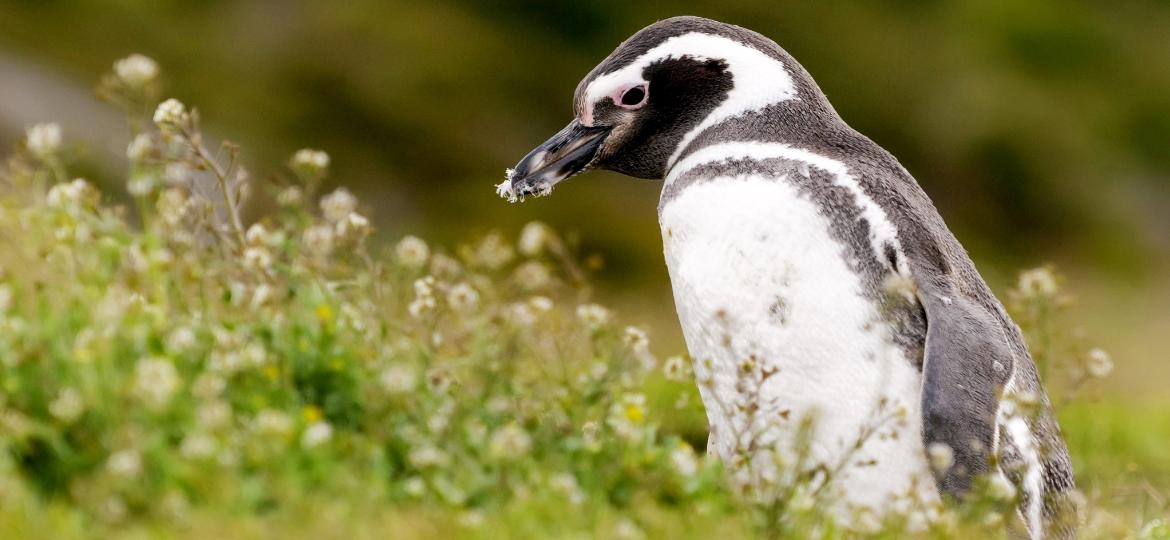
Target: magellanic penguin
814,278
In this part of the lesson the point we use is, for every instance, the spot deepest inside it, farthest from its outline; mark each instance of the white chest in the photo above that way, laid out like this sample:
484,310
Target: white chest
780,331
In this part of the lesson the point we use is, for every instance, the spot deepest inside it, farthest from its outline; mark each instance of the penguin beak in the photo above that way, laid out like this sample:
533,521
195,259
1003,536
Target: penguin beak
570,152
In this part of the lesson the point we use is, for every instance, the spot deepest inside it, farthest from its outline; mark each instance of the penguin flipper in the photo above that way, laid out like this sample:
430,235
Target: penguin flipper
968,360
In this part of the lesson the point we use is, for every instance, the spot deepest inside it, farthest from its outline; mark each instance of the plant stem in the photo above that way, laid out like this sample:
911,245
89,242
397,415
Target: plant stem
221,179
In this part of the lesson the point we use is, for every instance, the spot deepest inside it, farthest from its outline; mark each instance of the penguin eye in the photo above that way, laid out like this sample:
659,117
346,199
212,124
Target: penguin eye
633,97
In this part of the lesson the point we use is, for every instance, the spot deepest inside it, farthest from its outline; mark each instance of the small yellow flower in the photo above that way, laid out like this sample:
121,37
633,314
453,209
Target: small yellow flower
312,414
324,313
271,372
635,413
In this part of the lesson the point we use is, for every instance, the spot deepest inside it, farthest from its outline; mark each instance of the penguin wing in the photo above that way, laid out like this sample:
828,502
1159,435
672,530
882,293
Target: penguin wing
968,359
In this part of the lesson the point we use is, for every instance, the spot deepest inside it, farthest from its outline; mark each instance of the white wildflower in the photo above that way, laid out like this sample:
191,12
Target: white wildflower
67,406
125,463
310,161
237,290
941,456
180,339
635,338
354,227
208,385
867,520
43,140
566,485
438,422
427,456
273,422
497,405
1038,282
140,185
462,297
683,459
542,304
290,196
173,206
993,519
412,252
254,355
593,315
424,297
444,266
136,70
625,529
170,114
72,195
5,297
493,252
113,509
214,414
337,205
1098,363
1000,488
532,276
598,370
802,500
316,434
197,446
155,381
591,435
398,379
510,442
318,240
140,148
472,519
258,258
178,174
261,295
676,369
1156,529
258,235
420,307
414,486
475,432
627,416
533,238
520,314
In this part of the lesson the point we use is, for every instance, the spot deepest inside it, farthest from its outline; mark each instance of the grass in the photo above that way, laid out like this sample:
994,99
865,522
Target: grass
175,372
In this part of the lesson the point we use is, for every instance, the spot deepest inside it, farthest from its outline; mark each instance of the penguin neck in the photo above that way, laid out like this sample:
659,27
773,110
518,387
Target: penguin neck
807,123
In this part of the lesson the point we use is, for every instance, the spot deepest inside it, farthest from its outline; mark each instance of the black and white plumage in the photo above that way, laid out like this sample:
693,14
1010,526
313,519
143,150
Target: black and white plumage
812,275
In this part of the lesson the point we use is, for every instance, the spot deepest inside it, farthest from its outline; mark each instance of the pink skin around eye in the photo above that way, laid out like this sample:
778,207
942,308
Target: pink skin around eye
618,92
616,97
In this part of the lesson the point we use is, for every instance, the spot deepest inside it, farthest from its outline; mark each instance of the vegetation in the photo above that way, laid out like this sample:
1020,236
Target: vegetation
172,371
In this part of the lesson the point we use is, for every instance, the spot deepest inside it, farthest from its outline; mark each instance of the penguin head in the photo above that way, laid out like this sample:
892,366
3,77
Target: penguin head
637,111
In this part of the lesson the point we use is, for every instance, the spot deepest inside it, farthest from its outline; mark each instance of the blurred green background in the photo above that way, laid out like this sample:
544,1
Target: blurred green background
1041,129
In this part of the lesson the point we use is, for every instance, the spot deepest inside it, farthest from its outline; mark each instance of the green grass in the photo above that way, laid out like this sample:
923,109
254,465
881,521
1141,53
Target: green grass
169,372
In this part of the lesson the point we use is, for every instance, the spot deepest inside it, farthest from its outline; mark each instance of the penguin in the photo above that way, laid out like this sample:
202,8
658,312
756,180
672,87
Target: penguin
839,331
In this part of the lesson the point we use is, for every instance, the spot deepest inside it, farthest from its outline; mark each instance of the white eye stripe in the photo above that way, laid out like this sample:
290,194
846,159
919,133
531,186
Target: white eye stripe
759,80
